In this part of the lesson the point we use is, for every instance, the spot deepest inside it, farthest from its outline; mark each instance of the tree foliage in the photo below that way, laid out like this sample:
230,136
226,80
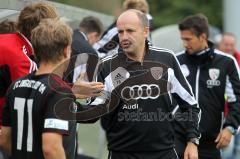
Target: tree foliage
167,12
164,12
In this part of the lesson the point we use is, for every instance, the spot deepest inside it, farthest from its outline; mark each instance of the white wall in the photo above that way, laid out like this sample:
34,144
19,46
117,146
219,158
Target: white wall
231,18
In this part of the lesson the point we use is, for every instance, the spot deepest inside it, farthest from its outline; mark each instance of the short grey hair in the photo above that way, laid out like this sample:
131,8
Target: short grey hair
142,17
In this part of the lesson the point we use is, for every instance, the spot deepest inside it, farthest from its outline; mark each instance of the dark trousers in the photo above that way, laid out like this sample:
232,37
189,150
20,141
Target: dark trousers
163,154
208,151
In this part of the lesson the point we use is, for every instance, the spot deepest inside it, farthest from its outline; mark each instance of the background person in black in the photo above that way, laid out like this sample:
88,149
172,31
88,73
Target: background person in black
31,129
212,74
83,57
146,71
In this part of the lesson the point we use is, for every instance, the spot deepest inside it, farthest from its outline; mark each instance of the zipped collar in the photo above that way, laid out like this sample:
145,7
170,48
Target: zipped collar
202,57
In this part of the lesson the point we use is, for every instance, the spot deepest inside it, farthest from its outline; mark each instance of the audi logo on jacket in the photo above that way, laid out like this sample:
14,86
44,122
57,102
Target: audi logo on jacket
138,108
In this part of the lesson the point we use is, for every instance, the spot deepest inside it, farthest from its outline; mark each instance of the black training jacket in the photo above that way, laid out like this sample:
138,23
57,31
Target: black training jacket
142,118
213,76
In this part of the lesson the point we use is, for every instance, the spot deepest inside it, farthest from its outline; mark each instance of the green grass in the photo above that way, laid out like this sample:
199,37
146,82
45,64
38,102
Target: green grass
88,140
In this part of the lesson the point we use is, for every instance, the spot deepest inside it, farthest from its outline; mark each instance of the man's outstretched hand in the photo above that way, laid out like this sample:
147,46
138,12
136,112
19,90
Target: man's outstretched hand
82,89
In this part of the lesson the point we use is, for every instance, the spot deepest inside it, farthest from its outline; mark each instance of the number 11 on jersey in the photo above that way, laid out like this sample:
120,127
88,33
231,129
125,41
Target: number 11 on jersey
19,105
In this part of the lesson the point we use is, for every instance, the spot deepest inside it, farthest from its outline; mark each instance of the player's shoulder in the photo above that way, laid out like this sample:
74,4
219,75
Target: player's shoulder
161,51
20,82
8,41
108,58
56,83
163,55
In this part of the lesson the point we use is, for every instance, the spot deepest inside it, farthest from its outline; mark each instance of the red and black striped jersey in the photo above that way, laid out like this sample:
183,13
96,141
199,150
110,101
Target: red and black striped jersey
15,51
